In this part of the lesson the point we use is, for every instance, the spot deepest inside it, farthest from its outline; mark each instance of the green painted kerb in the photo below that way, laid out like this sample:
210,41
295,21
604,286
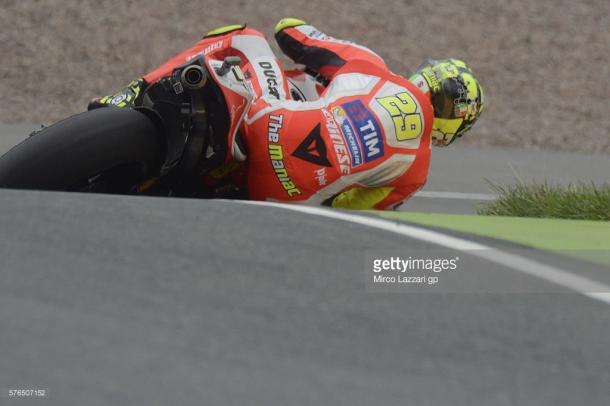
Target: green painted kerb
580,238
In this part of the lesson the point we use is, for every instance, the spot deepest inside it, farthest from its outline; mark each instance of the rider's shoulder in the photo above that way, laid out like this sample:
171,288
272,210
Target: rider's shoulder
366,74
363,66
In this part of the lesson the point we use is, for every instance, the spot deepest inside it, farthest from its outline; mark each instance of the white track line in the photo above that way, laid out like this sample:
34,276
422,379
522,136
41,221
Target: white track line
585,286
455,195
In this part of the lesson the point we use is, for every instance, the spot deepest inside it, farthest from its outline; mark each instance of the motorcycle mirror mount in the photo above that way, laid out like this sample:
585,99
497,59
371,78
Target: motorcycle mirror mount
227,64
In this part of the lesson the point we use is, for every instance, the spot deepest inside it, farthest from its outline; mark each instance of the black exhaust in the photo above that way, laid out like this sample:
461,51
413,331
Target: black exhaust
193,77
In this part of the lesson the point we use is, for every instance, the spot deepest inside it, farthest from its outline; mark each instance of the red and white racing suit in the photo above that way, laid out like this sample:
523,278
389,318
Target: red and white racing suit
363,142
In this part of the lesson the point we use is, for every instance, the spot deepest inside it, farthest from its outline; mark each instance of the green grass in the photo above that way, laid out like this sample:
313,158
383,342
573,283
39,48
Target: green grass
582,201
573,220
584,239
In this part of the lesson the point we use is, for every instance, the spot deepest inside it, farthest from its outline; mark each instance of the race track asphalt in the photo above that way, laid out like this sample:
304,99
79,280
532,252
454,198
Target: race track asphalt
133,300
127,300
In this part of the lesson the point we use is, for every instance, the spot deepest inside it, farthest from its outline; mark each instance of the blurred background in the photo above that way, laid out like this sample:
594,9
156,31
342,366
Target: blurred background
544,64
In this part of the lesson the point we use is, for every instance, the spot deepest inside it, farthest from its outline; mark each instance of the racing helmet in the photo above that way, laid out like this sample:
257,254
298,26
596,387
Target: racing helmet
456,96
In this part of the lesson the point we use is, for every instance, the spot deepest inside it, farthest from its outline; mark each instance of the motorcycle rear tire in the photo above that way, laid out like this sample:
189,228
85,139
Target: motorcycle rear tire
69,154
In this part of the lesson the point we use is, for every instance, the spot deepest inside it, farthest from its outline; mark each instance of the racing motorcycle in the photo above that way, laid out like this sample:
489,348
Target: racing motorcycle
181,132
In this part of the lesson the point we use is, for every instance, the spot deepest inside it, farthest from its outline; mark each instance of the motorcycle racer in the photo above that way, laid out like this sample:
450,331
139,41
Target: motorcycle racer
345,132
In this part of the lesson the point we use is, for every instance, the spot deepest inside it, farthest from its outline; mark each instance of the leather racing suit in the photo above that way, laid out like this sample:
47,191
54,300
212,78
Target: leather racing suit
362,141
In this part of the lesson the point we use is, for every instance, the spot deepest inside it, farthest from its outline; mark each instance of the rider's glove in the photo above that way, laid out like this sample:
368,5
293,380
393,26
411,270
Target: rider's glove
129,96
